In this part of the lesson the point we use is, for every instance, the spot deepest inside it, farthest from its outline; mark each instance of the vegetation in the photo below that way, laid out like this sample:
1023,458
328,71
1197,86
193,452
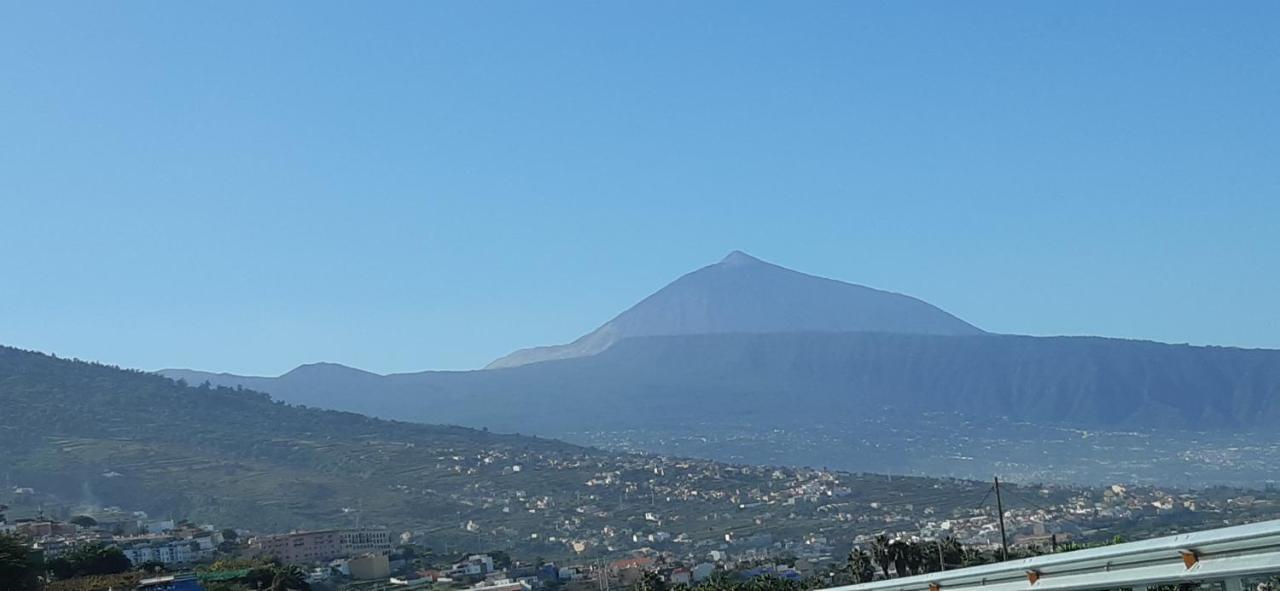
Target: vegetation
861,568
83,521
252,575
19,566
89,559
227,455
651,582
97,582
235,457
86,567
904,558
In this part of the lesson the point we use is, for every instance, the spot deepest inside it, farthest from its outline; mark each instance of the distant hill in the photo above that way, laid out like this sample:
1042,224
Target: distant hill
742,294
320,385
85,435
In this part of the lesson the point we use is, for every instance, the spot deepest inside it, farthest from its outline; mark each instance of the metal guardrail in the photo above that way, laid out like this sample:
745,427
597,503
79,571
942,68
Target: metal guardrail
1225,555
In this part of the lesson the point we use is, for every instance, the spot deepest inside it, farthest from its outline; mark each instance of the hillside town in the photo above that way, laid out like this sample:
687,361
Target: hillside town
582,554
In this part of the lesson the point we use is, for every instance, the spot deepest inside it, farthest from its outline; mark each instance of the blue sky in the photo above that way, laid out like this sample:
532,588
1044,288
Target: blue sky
249,186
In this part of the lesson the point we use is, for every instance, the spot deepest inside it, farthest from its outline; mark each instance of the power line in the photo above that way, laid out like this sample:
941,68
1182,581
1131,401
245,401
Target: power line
983,502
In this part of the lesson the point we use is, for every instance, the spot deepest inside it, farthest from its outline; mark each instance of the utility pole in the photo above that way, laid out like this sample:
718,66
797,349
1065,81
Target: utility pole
1004,542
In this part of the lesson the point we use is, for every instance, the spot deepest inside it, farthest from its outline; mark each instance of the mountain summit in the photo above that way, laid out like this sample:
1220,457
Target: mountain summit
738,257
743,294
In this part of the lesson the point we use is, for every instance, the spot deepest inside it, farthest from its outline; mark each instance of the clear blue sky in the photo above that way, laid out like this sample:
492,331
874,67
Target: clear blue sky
249,186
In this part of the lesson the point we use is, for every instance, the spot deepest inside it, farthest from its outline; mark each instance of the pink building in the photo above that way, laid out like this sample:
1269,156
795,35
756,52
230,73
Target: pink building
321,546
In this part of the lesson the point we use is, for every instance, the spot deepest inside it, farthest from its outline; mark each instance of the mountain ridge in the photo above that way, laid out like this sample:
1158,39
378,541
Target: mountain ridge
756,348
1079,380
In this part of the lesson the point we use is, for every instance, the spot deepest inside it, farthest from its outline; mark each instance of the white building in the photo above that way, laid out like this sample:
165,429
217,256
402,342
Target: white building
170,552
474,565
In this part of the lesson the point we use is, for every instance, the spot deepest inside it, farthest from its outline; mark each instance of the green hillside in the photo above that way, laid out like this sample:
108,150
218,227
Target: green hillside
101,435
85,435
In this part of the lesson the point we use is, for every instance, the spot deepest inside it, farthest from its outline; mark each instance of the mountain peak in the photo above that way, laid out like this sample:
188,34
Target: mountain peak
738,257
743,294
325,368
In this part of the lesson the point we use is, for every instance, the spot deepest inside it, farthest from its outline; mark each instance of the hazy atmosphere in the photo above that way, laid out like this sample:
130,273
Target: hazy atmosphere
428,186
639,296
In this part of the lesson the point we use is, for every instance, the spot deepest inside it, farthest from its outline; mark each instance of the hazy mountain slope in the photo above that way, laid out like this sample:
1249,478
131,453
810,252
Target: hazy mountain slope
93,435
742,294
102,435
829,377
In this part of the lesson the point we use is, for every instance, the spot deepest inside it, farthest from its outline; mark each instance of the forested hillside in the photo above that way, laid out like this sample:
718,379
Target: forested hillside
102,435
89,435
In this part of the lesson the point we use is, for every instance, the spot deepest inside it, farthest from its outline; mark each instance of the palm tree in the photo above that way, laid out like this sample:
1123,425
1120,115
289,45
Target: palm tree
900,553
289,578
882,553
914,558
974,557
927,557
860,566
952,553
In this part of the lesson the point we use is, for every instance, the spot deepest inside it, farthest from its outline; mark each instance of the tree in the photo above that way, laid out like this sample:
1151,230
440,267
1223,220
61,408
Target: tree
917,558
501,560
267,576
882,553
770,583
928,553
289,578
84,521
152,566
230,535
652,581
90,559
899,552
19,566
860,566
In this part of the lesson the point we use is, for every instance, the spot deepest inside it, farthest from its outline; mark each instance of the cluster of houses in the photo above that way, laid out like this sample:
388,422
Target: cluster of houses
655,541
142,541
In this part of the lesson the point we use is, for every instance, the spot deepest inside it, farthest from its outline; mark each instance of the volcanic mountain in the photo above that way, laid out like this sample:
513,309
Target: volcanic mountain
743,294
745,341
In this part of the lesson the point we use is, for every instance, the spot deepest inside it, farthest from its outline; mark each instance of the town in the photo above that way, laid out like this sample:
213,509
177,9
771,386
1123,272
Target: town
587,551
